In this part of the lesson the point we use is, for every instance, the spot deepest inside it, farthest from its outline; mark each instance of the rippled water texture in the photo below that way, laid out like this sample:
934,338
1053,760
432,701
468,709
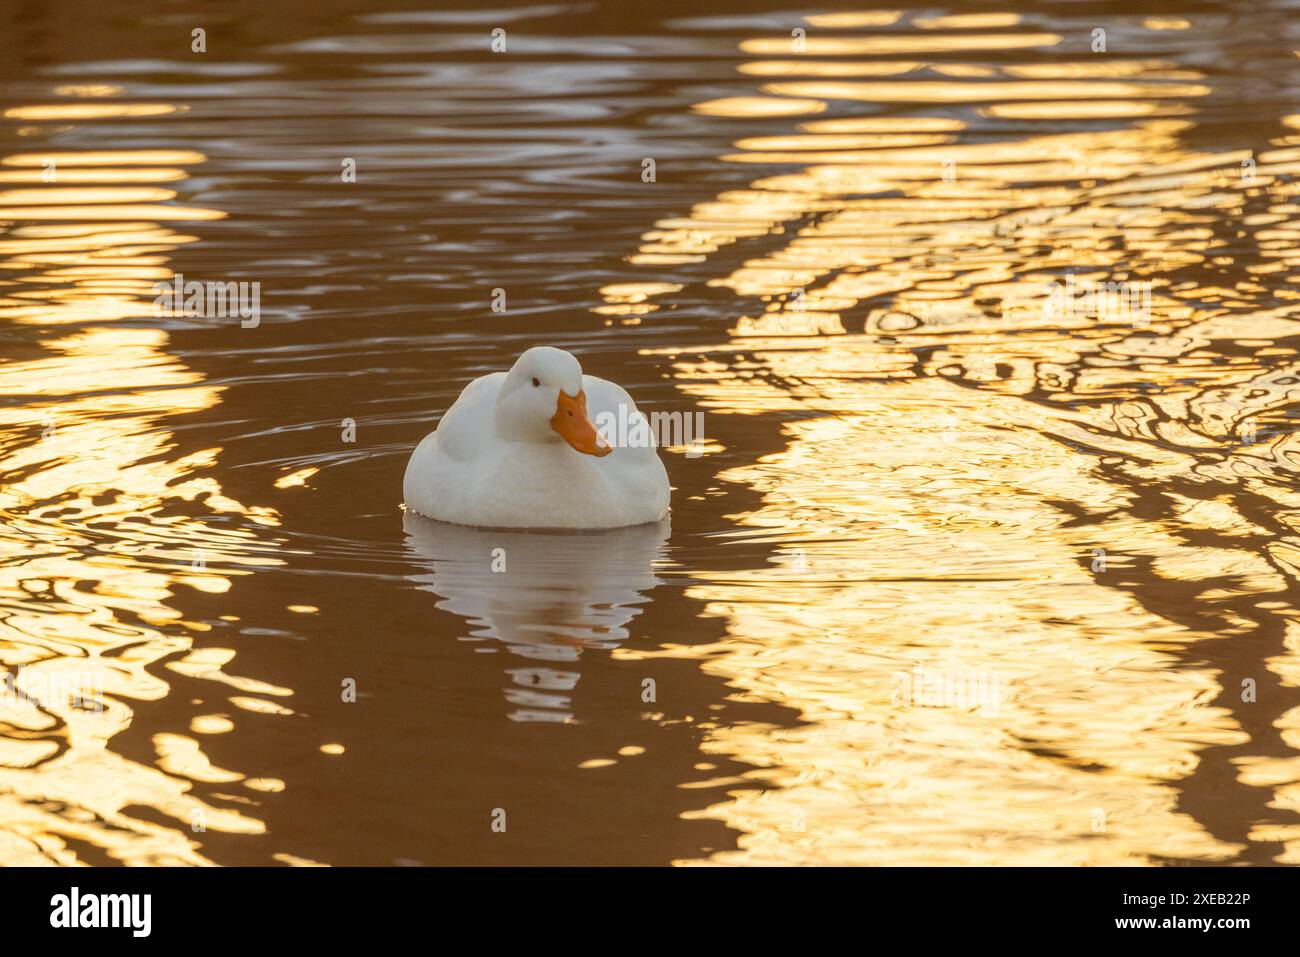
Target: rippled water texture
990,555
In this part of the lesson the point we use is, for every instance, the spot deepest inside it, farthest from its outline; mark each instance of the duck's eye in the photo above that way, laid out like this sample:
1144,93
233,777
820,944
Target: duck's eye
536,382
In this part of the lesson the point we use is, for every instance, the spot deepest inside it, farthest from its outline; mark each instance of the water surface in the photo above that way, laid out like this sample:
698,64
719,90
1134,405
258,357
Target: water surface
965,575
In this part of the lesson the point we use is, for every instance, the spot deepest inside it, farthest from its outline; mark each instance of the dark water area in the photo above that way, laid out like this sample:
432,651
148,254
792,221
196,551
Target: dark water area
990,553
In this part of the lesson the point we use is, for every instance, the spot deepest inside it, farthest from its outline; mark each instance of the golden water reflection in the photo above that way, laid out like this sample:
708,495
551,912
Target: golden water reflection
93,544
1014,541
1030,557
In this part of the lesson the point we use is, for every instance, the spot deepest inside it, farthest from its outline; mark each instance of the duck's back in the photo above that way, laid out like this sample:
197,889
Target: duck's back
449,453
467,429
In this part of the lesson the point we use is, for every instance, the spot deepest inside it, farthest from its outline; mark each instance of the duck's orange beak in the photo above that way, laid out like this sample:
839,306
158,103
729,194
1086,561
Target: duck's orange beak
571,422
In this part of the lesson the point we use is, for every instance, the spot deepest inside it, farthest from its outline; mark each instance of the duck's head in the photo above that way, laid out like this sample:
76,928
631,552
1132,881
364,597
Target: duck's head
542,400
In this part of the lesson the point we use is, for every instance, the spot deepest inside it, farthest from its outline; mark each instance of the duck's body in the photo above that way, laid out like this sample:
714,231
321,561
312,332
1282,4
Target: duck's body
519,450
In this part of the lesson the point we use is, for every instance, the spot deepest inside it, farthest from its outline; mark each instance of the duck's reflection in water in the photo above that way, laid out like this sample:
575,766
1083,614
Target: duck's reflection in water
547,596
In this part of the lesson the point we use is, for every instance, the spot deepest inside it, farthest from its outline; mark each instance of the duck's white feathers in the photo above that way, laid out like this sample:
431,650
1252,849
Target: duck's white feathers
464,472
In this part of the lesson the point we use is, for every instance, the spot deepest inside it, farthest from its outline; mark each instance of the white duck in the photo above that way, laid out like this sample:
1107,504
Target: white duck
518,449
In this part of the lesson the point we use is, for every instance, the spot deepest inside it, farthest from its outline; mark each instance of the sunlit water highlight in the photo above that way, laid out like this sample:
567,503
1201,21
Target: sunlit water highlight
992,551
